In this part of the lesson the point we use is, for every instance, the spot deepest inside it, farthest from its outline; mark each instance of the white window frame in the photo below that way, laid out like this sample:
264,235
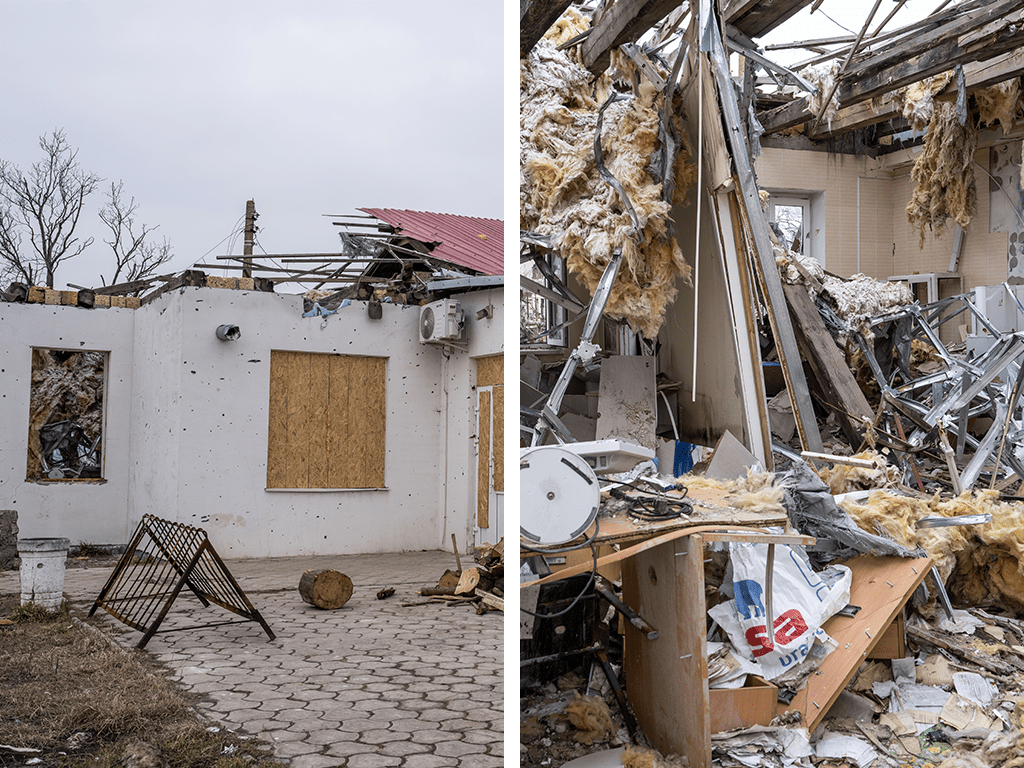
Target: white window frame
555,315
795,201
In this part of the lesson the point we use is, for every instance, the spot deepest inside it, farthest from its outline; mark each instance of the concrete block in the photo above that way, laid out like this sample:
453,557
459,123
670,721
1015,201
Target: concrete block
36,295
117,301
246,284
102,300
212,281
132,302
69,298
51,296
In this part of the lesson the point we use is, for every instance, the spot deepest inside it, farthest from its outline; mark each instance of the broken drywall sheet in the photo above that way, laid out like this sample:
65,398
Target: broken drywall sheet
562,193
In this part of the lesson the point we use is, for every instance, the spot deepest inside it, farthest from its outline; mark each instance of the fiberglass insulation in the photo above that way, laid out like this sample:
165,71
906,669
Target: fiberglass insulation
982,565
562,194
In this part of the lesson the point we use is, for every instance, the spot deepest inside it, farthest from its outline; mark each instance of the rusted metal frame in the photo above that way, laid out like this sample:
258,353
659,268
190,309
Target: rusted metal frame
765,267
119,569
174,594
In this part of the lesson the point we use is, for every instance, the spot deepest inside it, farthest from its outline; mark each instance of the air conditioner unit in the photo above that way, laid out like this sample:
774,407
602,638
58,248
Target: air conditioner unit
441,321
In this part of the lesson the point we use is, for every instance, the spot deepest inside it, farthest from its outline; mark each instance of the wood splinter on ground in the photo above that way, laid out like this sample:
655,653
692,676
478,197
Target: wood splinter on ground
325,588
385,593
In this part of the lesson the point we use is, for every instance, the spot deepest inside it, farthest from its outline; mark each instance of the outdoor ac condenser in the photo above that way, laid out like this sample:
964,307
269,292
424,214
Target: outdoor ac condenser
441,321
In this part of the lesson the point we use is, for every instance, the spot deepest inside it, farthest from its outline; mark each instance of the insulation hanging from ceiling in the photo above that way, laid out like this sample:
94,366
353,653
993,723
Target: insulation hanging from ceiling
562,193
944,174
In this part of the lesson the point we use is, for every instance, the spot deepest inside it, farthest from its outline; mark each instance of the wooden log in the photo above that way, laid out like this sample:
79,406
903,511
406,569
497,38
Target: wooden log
325,588
449,580
472,579
490,600
437,591
971,655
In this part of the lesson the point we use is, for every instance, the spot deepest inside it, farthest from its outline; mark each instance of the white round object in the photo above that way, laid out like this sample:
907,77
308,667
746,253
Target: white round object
559,495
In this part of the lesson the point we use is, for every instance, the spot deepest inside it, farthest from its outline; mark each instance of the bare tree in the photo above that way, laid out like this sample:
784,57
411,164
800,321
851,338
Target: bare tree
135,258
42,207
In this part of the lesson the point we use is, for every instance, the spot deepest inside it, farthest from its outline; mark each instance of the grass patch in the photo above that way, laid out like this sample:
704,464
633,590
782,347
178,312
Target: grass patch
85,549
66,689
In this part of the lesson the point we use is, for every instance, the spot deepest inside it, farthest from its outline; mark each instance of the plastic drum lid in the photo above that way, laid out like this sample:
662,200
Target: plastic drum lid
559,495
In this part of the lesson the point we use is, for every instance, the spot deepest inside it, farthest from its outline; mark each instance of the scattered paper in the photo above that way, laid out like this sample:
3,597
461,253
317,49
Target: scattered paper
973,686
836,745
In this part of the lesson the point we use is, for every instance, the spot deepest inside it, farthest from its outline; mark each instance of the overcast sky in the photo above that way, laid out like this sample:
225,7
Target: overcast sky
309,107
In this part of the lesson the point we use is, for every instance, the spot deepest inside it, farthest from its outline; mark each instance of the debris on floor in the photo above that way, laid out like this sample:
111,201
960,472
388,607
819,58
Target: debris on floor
770,515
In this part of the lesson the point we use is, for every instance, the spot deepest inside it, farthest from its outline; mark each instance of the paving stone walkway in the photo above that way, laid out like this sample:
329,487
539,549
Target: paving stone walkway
370,685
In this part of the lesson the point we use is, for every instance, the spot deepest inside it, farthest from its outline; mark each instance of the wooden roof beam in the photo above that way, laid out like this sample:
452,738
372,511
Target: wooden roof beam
756,17
1004,36
536,18
977,75
624,22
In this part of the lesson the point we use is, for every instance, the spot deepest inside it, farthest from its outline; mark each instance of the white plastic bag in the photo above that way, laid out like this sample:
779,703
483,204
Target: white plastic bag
801,601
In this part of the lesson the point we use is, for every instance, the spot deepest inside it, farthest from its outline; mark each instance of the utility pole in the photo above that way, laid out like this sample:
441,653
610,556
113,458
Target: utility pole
250,236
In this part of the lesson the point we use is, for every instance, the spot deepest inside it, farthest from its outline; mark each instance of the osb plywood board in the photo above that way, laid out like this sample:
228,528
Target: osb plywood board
483,461
881,587
490,371
326,421
286,456
499,439
667,677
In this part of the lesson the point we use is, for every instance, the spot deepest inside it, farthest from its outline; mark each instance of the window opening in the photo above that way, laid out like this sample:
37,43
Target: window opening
65,433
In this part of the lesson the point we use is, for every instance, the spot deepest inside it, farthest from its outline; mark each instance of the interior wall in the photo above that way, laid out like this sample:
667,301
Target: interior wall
719,393
877,227
94,512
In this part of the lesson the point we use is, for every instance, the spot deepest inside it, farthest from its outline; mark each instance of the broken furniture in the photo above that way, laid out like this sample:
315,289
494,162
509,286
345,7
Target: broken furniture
162,558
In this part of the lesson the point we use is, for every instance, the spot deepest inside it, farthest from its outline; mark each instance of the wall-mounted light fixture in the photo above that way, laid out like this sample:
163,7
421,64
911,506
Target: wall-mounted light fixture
228,332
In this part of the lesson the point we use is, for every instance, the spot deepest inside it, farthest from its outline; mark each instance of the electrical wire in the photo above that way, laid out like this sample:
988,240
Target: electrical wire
654,507
586,588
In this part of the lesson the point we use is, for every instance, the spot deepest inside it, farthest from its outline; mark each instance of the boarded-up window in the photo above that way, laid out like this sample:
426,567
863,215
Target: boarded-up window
326,421
65,426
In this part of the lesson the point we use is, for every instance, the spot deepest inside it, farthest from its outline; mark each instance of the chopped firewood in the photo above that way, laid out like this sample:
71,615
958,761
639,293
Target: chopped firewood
490,600
325,588
473,578
449,580
385,593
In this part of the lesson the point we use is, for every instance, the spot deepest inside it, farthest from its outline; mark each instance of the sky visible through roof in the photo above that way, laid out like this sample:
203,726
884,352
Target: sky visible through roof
309,107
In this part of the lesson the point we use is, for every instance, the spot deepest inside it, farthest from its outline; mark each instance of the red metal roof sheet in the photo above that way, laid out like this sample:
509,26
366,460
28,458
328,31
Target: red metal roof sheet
464,240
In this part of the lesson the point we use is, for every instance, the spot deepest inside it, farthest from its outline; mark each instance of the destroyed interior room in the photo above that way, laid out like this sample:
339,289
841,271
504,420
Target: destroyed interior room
771,367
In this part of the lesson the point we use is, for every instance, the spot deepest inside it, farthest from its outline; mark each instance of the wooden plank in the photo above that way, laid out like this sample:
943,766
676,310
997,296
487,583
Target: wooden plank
535,19
340,473
881,587
902,68
819,349
499,439
624,22
755,17
318,421
483,459
624,554
977,75
668,686
490,371
286,466
367,421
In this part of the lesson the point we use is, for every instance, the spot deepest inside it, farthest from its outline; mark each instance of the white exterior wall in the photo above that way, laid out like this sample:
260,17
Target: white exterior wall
189,442
89,511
